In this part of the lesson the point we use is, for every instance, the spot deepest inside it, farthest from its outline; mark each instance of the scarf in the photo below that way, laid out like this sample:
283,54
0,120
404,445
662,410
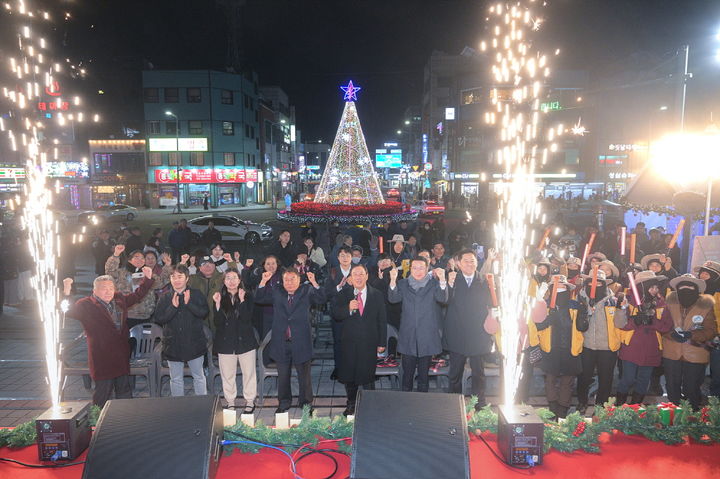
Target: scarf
112,309
417,284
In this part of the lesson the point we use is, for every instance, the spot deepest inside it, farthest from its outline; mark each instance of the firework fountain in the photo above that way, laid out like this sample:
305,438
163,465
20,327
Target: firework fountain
31,74
520,71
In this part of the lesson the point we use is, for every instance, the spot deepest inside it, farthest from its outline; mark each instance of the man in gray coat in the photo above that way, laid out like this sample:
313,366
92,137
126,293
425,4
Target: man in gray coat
464,334
421,295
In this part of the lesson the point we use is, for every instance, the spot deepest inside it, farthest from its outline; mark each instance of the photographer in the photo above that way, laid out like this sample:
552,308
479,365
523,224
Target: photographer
640,350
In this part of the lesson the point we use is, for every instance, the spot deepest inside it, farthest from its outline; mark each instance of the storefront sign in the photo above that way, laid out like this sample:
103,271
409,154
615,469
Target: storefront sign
171,144
464,176
67,169
12,173
205,175
626,147
621,175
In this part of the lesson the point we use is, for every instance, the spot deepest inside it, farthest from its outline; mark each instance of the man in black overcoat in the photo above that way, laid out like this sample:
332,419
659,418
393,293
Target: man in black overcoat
362,310
464,335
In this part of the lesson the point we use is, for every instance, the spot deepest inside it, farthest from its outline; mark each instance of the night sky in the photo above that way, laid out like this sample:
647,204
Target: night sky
309,48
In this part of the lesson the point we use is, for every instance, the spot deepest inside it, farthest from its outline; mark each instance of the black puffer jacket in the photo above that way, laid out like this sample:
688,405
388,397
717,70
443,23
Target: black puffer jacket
234,332
183,334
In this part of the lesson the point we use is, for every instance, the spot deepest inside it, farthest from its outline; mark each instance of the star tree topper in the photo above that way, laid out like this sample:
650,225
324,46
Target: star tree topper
350,91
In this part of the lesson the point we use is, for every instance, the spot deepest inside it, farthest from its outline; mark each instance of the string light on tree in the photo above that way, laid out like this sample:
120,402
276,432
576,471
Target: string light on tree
349,176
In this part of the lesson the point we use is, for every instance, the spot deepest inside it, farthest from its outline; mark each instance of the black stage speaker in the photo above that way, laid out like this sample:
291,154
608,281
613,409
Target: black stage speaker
409,435
170,437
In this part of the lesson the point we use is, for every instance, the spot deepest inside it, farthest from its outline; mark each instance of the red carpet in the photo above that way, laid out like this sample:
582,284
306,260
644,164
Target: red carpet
622,457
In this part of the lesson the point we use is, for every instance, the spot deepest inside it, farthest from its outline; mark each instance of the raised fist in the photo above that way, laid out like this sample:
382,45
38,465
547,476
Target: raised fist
216,298
119,248
266,276
227,257
147,271
311,278
439,274
451,264
241,294
166,259
248,262
67,286
184,258
393,275
451,277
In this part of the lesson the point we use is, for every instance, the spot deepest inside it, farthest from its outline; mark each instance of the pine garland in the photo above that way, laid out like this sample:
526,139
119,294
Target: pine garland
573,434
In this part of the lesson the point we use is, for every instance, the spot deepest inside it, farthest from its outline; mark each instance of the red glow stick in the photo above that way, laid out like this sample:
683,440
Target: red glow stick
491,284
677,234
585,255
381,244
593,284
553,298
633,239
623,232
633,287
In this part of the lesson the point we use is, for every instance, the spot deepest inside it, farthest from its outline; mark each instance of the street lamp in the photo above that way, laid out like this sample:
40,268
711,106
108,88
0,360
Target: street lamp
690,159
177,162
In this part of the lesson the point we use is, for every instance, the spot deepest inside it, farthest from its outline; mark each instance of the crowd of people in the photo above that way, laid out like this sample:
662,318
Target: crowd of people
430,286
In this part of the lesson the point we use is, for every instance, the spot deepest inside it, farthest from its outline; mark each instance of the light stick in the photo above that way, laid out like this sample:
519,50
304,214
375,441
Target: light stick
381,245
633,287
541,245
623,232
678,230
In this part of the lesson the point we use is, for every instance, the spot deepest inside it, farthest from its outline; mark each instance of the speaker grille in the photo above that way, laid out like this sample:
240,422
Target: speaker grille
409,435
156,437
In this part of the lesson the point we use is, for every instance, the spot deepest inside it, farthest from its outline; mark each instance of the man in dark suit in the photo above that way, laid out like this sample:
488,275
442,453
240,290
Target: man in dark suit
291,341
362,310
103,316
333,285
464,335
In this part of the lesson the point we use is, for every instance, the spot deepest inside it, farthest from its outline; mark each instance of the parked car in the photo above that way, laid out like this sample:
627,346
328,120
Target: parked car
108,213
429,207
232,228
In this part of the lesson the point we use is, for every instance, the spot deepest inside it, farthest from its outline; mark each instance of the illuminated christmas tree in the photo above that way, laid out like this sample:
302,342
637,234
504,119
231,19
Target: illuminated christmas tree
349,177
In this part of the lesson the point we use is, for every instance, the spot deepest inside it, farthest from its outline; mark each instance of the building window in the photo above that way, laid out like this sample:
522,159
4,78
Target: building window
194,95
228,128
195,127
155,158
229,159
151,95
226,97
173,158
252,132
171,127
197,158
172,95
247,131
153,127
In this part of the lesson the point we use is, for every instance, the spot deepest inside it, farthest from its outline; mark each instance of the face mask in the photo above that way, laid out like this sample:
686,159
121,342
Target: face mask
687,296
356,260
572,273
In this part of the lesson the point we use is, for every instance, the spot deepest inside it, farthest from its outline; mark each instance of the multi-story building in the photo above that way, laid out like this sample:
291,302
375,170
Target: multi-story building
203,137
281,138
117,173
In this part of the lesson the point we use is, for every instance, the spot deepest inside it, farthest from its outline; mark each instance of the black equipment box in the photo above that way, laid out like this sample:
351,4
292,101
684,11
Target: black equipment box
63,432
520,435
